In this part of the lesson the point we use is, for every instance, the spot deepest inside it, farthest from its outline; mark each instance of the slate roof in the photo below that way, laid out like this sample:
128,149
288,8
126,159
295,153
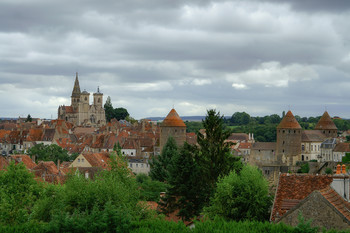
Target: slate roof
289,122
293,188
325,123
312,136
173,120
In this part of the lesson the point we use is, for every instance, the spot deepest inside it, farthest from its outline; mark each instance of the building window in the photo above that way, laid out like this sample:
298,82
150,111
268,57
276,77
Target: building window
132,153
78,160
130,164
137,165
302,147
82,160
85,98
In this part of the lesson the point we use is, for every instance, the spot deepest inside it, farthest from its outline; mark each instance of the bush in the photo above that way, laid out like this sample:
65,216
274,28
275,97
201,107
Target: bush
241,196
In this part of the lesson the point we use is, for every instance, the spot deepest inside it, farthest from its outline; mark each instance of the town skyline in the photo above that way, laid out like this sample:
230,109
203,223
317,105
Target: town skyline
260,57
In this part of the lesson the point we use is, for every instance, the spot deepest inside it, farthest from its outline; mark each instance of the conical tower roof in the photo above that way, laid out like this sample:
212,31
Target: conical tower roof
76,89
325,122
173,119
289,122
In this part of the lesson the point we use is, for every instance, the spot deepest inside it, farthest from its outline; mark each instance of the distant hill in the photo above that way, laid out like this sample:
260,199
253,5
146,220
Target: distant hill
184,118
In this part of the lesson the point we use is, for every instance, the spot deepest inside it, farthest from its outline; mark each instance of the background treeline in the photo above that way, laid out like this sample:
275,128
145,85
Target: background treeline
264,128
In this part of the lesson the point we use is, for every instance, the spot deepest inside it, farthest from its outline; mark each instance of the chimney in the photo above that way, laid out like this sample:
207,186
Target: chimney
341,184
338,169
343,169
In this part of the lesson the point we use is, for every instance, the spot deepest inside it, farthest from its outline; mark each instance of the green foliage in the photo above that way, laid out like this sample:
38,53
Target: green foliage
117,113
193,126
305,226
346,158
215,158
150,189
304,168
241,196
51,152
29,118
329,171
160,165
159,226
120,113
186,192
18,192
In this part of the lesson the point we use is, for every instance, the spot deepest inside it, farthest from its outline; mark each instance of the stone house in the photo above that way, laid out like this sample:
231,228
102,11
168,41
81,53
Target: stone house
321,198
311,141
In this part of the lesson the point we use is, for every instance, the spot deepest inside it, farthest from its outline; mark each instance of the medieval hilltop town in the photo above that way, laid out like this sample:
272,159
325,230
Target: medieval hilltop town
82,129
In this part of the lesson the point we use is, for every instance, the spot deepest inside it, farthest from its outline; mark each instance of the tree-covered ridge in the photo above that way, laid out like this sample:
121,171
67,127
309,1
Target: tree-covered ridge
264,128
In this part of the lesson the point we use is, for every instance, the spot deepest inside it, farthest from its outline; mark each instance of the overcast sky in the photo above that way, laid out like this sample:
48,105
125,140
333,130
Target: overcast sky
261,57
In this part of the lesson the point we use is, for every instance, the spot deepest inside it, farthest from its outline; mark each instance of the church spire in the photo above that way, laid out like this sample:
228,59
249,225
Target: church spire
76,89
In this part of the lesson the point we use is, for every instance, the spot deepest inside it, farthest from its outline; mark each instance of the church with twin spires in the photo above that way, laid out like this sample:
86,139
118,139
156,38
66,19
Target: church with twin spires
80,112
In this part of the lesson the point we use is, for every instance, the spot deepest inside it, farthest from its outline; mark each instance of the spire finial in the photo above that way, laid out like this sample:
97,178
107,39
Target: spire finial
98,89
76,74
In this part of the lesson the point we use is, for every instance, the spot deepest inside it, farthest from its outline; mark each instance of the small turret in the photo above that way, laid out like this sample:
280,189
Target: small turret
98,98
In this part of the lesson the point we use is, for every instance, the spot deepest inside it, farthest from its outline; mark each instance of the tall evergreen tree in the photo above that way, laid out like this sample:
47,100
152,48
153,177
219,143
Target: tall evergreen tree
215,157
186,192
160,165
108,109
29,118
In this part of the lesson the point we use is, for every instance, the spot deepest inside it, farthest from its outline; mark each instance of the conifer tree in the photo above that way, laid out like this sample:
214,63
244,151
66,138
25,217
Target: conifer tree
159,165
186,192
215,157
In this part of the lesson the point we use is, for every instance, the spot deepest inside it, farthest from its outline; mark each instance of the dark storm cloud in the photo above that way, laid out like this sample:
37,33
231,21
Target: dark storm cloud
253,56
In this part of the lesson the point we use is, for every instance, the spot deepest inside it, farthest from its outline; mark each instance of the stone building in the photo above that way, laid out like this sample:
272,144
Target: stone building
288,145
327,126
80,112
172,126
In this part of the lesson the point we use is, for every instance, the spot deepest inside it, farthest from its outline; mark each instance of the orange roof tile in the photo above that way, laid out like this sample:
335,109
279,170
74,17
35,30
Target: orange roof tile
173,120
289,122
292,188
325,123
337,201
27,161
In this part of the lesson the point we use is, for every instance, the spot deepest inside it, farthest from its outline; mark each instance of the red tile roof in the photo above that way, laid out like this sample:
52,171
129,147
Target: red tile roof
97,159
27,161
173,120
292,188
3,163
337,201
325,123
245,145
289,122
342,147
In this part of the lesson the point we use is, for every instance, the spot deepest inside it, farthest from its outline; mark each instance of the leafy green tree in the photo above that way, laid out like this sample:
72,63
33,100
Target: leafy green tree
346,158
51,152
186,192
150,189
160,165
241,196
304,168
215,157
120,113
18,192
29,118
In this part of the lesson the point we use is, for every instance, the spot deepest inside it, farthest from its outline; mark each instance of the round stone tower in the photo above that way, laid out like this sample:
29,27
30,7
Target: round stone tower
327,126
288,146
172,126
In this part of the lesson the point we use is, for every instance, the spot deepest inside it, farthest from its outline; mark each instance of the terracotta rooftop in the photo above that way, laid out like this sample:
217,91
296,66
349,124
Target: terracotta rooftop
97,159
247,145
293,188
173,120
312,136
289,122
264,146
337,201
3,163
27,161
342,147
325,123
238,137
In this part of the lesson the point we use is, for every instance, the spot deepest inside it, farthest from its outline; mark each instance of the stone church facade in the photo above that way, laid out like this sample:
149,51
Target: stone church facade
81,112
